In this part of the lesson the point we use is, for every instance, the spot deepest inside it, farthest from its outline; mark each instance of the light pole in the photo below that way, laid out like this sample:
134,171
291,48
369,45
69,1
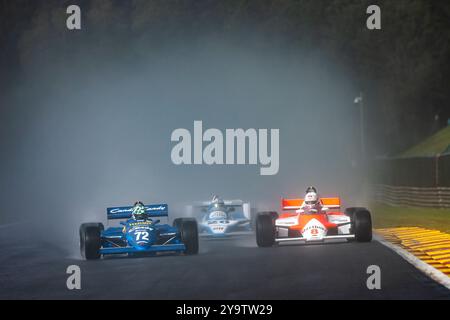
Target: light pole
364,192
360,101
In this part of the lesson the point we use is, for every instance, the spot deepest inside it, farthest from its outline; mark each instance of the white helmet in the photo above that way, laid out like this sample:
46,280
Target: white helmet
311,198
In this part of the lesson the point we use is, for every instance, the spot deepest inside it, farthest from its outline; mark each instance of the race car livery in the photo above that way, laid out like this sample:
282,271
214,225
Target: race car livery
138,236
312,225
231,217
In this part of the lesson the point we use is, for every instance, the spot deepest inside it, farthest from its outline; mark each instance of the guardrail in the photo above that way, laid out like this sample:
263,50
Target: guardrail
437,197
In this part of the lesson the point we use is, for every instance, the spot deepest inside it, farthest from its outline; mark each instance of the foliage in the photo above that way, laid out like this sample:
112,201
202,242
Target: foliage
404,68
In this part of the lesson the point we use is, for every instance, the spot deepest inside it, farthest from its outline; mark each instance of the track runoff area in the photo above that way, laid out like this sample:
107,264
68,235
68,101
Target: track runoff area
428,250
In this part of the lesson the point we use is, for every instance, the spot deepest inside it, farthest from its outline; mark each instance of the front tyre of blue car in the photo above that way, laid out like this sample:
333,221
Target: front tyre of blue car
90,240
189,235
177,223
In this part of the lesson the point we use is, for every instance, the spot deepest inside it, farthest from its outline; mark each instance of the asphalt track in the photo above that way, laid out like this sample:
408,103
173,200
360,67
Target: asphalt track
225,269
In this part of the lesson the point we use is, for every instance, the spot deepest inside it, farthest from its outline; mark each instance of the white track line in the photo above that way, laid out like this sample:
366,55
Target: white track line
430,271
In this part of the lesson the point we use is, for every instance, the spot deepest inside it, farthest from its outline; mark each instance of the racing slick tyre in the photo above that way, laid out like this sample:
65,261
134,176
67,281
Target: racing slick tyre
90,240
362,225
177,223
189,234
272,214
351,211
265,229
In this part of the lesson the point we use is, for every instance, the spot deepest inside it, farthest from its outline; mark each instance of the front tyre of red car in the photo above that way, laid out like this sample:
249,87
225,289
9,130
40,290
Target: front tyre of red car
265,230
362,225
90,240
189,234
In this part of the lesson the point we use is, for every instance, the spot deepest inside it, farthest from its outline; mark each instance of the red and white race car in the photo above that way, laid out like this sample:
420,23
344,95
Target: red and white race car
297,224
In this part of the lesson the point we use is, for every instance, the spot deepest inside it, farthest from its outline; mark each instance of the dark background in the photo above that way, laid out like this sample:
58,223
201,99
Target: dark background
403,69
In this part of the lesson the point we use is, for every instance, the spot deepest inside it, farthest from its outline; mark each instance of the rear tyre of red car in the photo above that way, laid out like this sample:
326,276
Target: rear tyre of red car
189,234
265,229
90,240
351,212
362,224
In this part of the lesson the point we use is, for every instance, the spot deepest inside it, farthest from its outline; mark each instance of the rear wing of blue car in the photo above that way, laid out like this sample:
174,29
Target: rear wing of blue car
153,210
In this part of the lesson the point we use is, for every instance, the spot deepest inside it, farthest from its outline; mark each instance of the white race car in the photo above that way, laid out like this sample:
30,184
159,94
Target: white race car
219,218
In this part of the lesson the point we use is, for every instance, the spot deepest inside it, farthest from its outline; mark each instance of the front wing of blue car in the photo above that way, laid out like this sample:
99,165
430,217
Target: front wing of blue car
150,249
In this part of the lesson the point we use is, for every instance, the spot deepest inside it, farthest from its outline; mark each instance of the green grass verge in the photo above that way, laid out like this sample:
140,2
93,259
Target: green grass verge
385,216
435,144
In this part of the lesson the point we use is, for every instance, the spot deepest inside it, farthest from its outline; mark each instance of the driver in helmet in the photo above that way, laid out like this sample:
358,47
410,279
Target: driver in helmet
311,202
139,212
217,203
139,216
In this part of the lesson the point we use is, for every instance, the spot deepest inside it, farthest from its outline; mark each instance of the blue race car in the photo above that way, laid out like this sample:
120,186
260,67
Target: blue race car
139,233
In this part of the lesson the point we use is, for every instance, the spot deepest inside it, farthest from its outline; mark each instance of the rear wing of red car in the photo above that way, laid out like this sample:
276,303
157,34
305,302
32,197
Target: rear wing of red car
295,204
